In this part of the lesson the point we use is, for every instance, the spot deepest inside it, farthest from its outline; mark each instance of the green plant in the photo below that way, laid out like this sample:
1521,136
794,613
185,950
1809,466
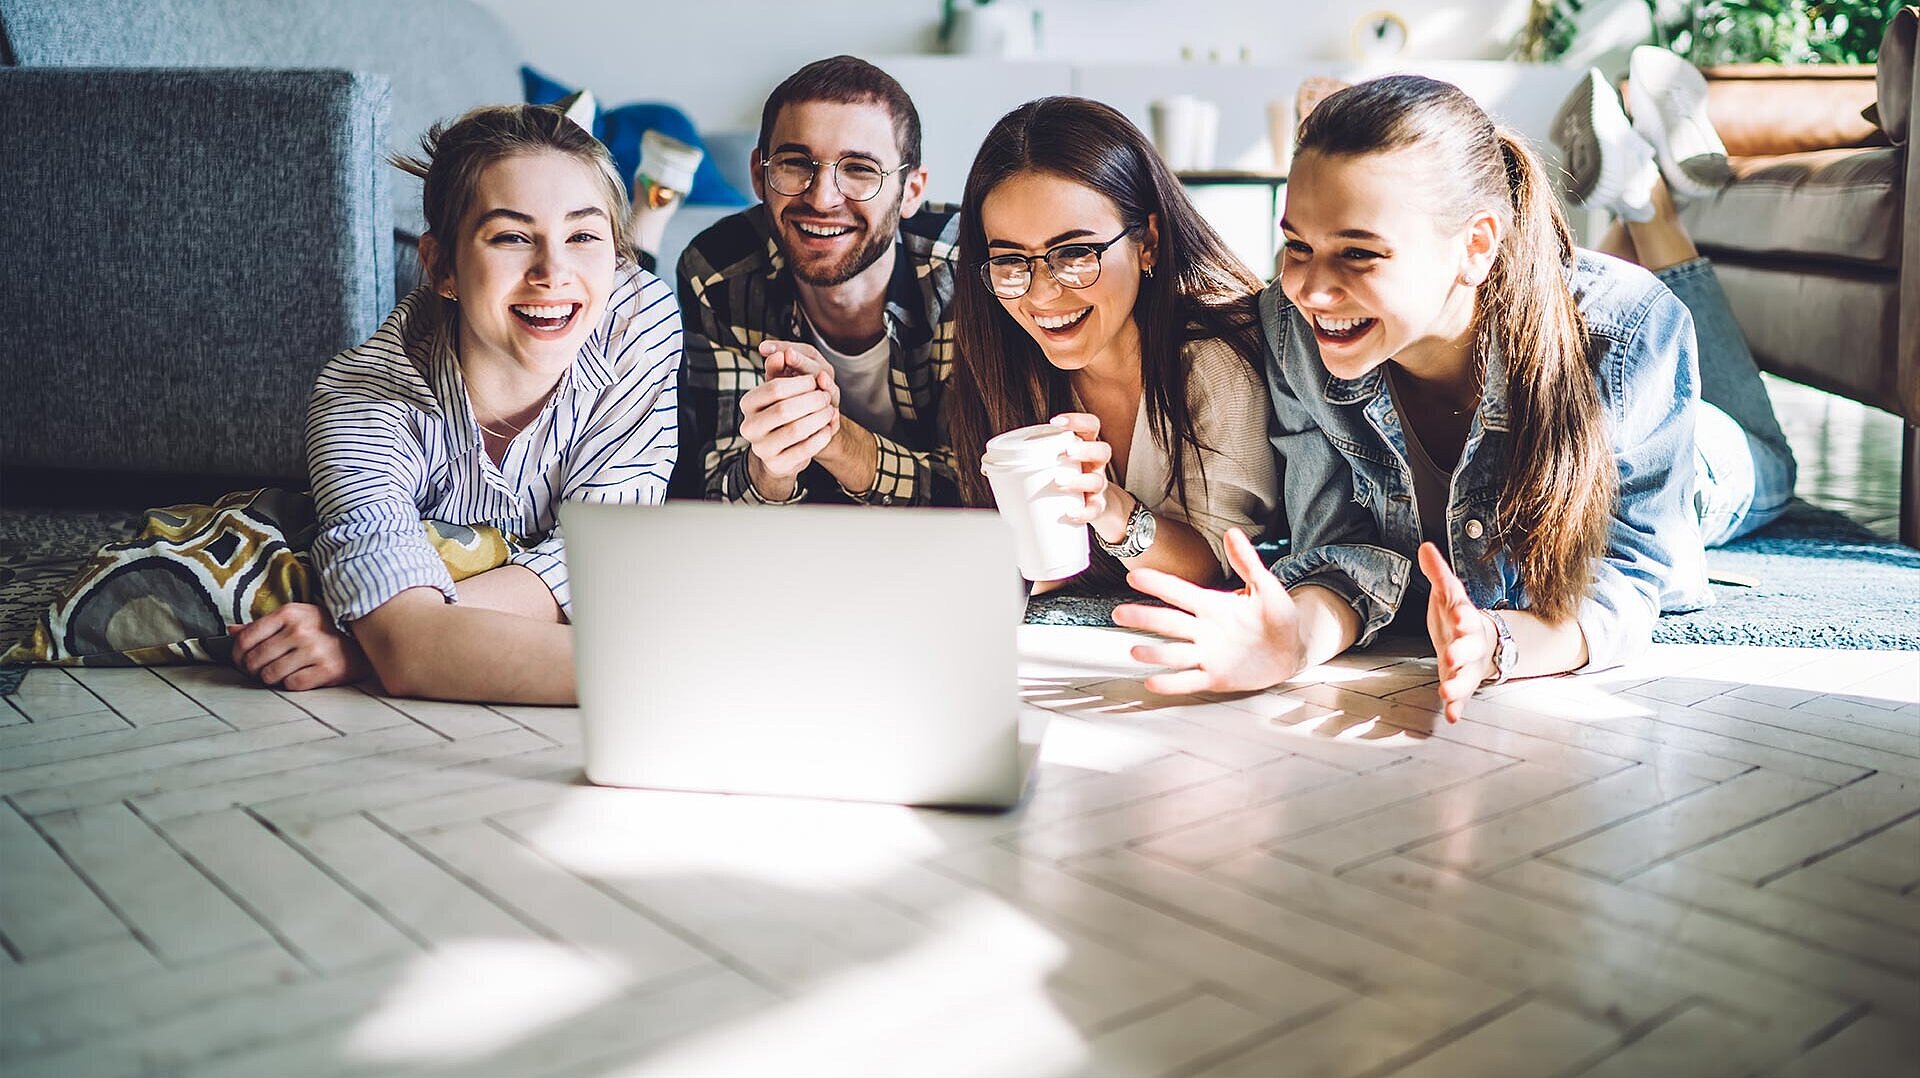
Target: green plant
1732,31
1549,31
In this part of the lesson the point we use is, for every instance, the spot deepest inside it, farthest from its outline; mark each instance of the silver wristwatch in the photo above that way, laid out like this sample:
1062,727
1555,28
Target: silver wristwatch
1140,532
1505,655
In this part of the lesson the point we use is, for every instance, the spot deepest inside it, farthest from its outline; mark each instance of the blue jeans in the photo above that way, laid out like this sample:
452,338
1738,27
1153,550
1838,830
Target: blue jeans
1744,470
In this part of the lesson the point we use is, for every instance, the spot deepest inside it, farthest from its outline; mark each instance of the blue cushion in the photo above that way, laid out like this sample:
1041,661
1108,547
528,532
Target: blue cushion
622,127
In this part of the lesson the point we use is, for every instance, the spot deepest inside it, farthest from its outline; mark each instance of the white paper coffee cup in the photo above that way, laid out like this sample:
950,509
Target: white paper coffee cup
667,161
1021,465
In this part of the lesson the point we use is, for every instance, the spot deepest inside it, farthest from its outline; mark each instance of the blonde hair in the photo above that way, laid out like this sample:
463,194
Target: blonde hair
1557,502
454,155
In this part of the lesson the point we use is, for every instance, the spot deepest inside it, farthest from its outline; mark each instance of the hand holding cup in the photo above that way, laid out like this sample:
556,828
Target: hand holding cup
1085,471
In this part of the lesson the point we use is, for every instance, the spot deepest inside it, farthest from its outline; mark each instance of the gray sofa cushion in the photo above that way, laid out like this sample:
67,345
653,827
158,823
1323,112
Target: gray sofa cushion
442,57
1841,206
186,248
1841,349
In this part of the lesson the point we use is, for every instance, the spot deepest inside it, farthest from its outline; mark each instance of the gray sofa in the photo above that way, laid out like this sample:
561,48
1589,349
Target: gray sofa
199,213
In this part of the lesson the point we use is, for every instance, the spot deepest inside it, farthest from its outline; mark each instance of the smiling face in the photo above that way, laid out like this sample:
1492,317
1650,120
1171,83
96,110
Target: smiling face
1078,328
532,264
827,238
1374,271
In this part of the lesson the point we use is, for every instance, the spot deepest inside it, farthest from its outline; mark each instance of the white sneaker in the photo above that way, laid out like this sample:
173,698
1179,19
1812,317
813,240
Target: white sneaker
581,108
1670,110
1608,165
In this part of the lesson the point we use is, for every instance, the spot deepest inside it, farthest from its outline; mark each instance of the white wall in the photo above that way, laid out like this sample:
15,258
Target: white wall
718,58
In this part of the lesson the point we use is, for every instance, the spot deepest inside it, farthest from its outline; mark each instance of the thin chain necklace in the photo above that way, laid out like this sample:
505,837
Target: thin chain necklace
516,430
497,434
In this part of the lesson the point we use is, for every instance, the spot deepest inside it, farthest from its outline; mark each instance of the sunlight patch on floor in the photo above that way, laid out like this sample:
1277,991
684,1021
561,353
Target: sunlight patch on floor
980,1005
472,998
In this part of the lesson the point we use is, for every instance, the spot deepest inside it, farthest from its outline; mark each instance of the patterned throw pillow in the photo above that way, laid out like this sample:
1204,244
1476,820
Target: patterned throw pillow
168,594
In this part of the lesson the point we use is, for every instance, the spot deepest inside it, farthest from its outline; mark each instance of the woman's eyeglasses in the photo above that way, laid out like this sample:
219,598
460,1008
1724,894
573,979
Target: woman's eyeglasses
1073,265
858,176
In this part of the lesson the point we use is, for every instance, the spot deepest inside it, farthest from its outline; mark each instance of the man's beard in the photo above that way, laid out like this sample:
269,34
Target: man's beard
853,263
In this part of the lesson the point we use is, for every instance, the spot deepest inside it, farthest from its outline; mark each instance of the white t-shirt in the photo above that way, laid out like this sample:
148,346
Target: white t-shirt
865,380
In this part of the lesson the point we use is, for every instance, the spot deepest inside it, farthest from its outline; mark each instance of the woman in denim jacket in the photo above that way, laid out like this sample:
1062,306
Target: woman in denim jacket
1453,377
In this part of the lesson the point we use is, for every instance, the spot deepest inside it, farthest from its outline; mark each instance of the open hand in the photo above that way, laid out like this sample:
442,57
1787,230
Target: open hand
1462,634
298,647
1223,641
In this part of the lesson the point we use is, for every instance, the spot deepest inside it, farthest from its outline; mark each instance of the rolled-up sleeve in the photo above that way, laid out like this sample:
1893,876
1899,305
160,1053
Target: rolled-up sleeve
367,466
1654,537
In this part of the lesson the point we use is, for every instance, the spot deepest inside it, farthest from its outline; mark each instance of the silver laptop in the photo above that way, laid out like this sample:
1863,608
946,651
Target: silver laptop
837,652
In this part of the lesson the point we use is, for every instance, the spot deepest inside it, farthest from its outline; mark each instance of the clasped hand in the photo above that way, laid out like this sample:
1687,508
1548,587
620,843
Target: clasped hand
789,418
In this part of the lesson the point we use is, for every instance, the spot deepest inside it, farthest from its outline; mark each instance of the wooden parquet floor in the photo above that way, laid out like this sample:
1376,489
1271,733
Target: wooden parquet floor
1703,864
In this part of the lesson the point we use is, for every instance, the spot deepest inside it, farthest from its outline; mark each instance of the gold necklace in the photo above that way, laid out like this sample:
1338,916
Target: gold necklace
516,430
495,433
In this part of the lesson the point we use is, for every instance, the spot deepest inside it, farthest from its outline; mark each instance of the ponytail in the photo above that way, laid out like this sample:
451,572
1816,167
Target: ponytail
1557,503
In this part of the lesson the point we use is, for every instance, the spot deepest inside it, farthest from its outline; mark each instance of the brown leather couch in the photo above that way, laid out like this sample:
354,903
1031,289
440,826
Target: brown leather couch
1817,239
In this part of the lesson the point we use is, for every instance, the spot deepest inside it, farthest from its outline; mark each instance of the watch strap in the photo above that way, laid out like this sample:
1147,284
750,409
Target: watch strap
1136,541
1505,655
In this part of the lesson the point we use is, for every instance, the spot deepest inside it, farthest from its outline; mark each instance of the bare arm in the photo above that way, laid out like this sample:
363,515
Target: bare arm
852,456
422,646
1178,548
511,589
1328,626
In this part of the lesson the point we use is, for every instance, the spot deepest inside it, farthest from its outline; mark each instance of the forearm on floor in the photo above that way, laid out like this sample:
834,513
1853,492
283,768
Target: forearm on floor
1544,647
1328,626
1178,548
422,646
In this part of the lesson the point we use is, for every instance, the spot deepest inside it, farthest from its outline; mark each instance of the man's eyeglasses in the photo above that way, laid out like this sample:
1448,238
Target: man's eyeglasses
1073,265
858,176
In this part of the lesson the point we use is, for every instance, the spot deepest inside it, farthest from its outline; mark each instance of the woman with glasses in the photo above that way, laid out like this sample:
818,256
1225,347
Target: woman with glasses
1101,302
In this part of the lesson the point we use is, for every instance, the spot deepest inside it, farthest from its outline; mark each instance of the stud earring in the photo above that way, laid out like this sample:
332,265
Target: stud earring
1147,270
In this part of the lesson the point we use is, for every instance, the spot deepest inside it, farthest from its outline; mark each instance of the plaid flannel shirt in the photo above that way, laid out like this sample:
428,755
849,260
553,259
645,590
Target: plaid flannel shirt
735,292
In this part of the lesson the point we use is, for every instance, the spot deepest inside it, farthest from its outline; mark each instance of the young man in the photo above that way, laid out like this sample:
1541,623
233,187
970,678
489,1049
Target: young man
817,341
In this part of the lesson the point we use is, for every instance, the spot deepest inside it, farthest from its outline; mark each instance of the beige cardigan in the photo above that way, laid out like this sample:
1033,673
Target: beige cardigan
1230,408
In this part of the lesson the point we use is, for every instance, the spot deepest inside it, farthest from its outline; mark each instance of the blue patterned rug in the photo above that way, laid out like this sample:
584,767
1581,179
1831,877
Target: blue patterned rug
1819,581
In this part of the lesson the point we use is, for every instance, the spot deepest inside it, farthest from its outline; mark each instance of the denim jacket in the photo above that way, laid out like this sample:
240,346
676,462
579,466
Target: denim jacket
1344,437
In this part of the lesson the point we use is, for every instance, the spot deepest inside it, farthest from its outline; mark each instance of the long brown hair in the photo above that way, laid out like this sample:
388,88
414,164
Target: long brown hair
1556,505
1002,379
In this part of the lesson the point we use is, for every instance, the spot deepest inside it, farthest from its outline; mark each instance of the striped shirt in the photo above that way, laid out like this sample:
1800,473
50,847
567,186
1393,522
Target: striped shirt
735,291
391,438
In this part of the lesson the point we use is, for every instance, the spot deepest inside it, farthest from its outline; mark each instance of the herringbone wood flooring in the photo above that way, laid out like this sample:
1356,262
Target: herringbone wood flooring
1703,864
